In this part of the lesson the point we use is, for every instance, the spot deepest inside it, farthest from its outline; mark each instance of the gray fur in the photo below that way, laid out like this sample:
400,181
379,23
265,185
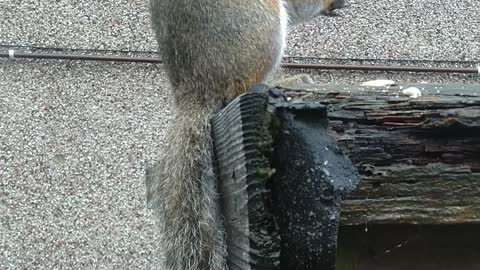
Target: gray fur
213,51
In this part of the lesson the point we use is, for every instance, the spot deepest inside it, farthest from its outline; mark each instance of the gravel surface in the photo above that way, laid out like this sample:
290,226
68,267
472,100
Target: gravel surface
402,29
86,24
76,137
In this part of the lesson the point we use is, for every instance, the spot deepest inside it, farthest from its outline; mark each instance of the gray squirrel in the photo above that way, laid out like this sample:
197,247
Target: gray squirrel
213,51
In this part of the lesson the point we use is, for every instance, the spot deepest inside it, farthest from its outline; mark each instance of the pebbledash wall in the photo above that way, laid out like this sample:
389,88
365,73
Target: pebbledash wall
76,137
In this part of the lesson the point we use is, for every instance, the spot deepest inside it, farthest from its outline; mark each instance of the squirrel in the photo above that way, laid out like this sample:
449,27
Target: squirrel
213,51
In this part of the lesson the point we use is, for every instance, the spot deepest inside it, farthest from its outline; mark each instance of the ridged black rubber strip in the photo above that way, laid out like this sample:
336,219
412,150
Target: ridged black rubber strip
243,145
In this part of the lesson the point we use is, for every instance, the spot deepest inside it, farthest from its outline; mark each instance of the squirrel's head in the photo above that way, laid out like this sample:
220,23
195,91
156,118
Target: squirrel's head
330,5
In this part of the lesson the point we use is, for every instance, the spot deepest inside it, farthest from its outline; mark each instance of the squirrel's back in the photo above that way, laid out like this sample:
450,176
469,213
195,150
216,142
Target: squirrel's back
219,49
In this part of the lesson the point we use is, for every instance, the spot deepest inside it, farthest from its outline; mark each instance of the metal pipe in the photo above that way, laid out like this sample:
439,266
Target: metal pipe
13,55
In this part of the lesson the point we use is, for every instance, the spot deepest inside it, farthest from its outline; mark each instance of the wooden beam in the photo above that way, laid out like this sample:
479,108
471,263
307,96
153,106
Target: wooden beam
419,158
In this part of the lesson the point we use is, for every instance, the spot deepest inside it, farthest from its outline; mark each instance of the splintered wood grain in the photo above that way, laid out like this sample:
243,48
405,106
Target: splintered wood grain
419,158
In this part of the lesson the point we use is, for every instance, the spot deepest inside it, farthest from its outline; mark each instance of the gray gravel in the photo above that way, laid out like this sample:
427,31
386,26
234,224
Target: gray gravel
86,24
401,29
357,77
76,137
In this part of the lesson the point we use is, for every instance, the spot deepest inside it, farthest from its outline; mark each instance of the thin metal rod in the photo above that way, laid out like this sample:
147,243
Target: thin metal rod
285,65
381,68
84,57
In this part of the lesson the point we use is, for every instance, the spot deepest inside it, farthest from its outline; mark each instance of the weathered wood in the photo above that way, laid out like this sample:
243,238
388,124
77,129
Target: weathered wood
419,158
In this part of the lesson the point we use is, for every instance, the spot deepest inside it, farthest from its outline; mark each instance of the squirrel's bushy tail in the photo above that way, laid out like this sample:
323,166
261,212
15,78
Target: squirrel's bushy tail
185,196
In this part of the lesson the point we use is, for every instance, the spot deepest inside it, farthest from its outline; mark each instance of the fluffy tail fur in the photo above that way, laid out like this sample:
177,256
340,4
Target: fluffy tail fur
187,209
